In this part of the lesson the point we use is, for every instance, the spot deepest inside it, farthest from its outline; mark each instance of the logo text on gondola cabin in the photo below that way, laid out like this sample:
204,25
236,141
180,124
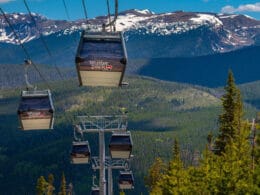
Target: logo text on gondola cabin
100,65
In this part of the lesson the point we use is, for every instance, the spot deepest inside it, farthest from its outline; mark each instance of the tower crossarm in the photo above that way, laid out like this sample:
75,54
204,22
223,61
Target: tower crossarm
94,124
110,163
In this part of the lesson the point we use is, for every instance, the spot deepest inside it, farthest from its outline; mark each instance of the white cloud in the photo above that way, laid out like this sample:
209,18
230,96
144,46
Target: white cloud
242,8
228,9
5,1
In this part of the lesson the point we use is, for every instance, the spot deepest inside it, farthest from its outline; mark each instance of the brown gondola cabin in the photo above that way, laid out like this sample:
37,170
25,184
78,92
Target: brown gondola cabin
80,153
36,111
101,59
120,146
126,180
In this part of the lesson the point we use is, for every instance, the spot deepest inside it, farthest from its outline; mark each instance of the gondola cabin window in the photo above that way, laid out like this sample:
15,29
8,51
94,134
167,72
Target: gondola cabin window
101,59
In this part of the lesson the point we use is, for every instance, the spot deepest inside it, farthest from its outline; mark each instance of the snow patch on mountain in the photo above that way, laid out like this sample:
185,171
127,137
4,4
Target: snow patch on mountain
16,16
223,16
207,19
163,24
129,21
145,11
3,36
167,23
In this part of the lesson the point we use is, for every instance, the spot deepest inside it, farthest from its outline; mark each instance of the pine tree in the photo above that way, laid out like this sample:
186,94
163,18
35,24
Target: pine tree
50,184
210,172
63,185
236,175
234,163
230,118
121,193
196,180
176,151
155,174
256,154
42,186
175,180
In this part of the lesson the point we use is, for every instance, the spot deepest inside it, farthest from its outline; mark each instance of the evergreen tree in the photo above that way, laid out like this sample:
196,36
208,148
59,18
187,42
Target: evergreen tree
196,180
230,118
234,164
42,186
210,176
175,180
176,150
256,154
209,139
155,174
121,193
50,184
236,175
63,185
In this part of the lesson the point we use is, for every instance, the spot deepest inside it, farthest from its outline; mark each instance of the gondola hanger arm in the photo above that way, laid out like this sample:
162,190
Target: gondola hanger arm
111,23
27,64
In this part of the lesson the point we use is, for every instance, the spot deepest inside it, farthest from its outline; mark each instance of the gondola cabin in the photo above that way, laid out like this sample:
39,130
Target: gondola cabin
80,153
126,180
120,145
101,59
36,110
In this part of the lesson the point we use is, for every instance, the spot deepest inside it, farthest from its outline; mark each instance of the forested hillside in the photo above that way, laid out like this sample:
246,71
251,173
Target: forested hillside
158,112
210,70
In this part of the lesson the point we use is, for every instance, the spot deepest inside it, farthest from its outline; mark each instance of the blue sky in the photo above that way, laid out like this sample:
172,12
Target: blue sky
54,9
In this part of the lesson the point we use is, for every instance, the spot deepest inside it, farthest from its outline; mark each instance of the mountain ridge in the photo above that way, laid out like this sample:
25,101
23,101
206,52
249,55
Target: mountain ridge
238,29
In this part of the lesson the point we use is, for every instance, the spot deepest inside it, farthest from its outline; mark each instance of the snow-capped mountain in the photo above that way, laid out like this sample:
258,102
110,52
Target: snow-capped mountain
26,29
235,29
196,48
148,35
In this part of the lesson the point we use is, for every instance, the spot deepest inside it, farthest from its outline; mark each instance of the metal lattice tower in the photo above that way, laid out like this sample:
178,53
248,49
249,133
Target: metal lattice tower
102,125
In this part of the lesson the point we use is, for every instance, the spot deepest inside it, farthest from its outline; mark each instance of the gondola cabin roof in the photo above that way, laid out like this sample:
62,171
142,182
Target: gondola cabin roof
121,139
101,59
35,100
102,45
80,147
36,110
